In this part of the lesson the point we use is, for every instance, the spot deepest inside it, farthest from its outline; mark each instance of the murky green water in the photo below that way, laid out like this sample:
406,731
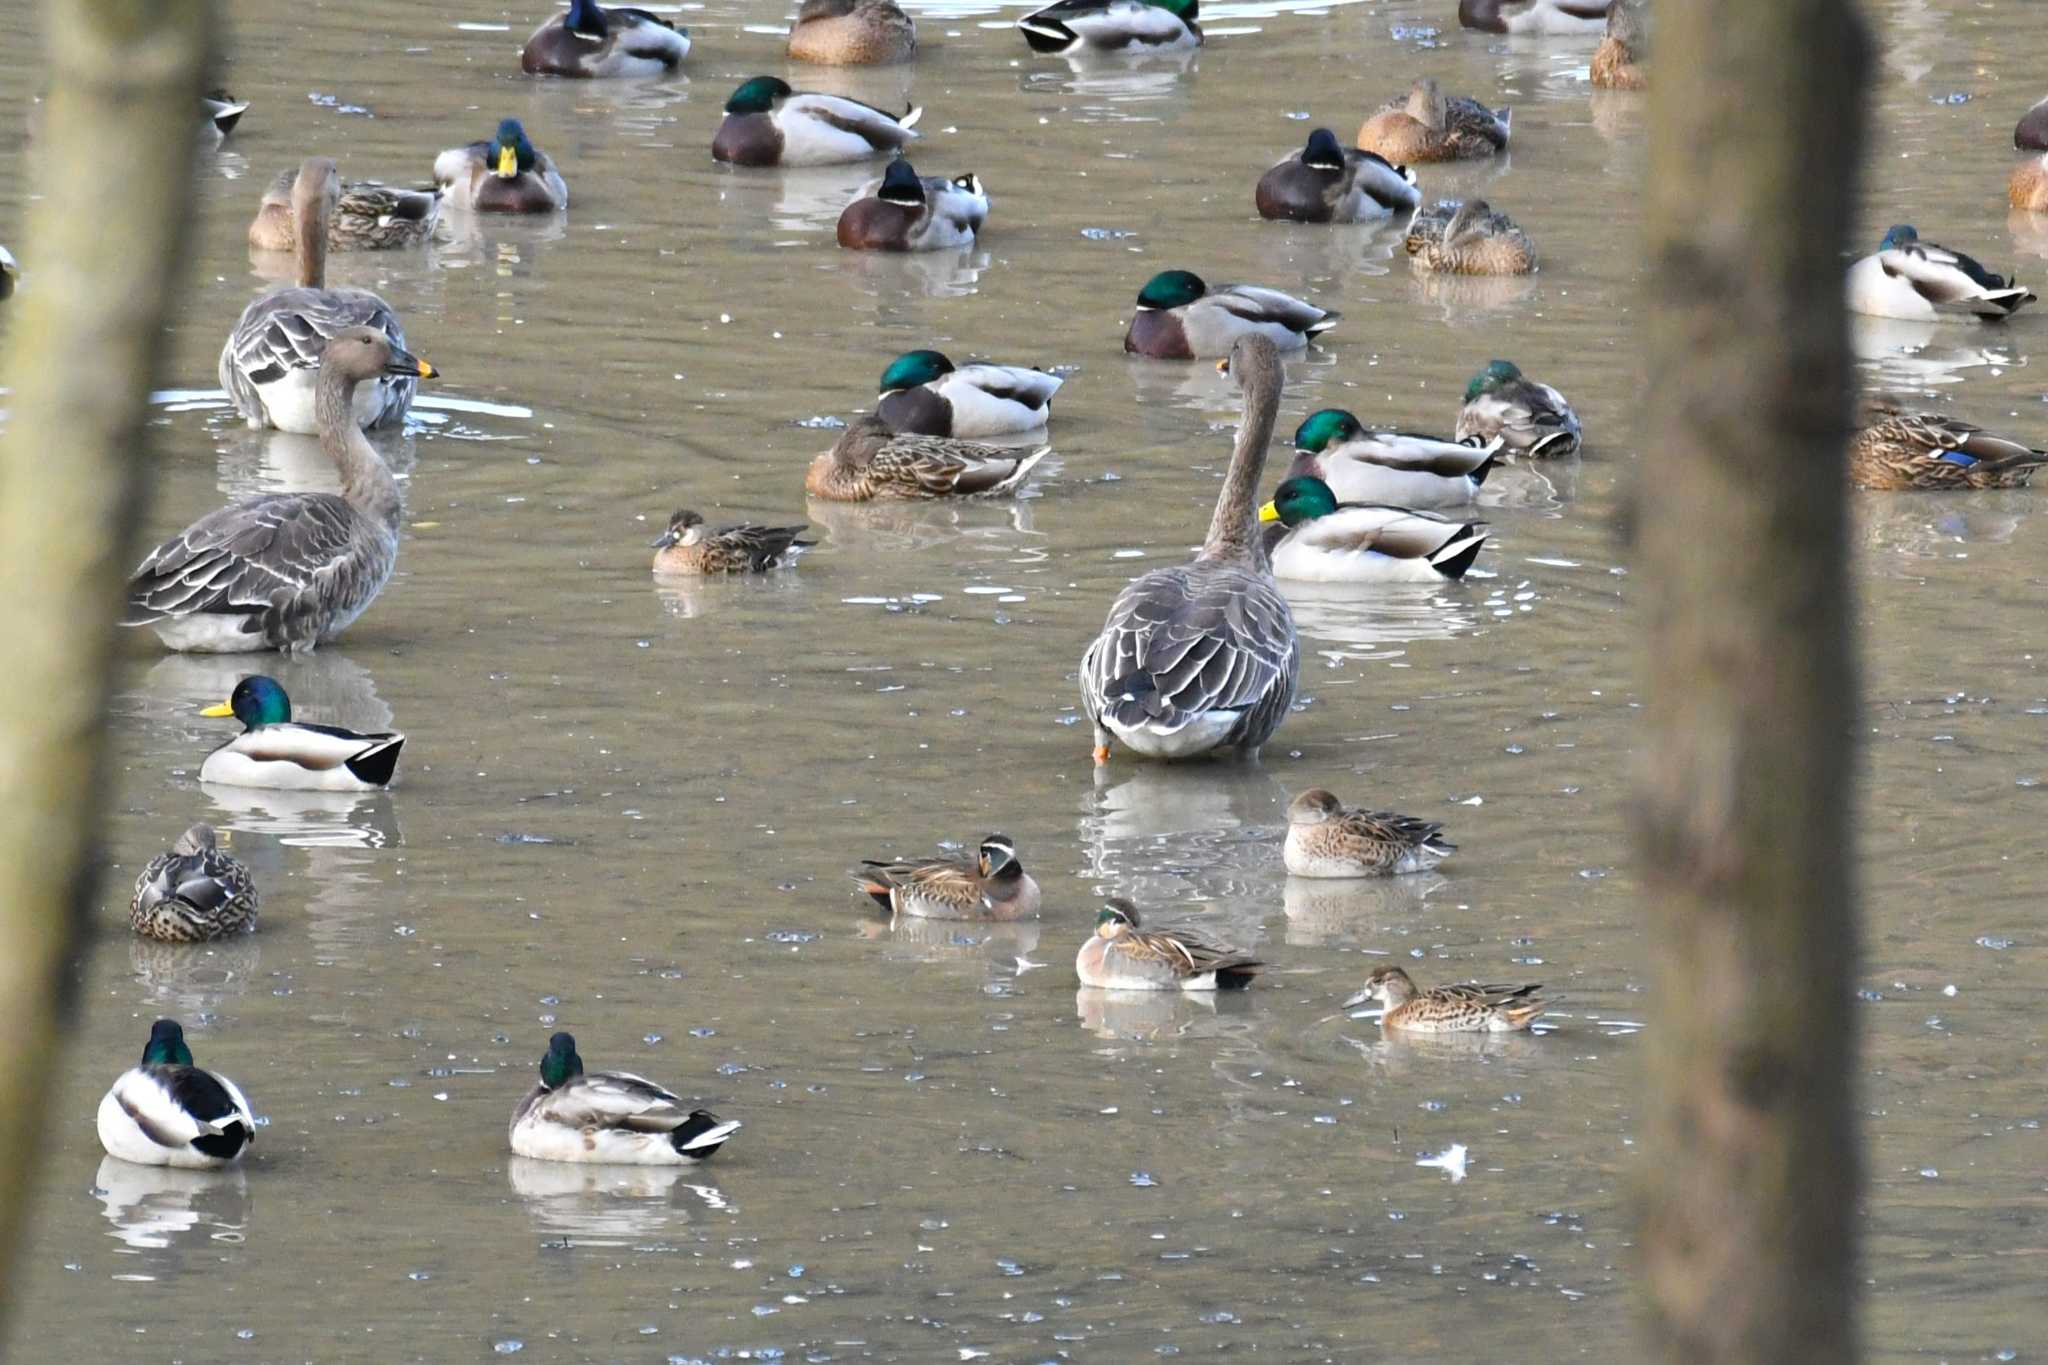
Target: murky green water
628,810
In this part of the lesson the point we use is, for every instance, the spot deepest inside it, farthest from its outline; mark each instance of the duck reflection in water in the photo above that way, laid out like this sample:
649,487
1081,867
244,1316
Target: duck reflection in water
170,1209
607,1206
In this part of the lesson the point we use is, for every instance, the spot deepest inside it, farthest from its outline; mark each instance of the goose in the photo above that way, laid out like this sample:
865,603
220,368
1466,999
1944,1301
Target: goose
1127,26
1328,183
1201,656
689,546
852,33
870,462
992,885
905,212
590,41
1448,1009
276,752
768,124
1327,839
1123,955
193,893
1919,281
168,1112
609,1117
1181,317
925,394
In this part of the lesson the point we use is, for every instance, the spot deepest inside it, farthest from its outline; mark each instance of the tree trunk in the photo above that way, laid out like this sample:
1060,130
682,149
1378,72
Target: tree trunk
114,166
1751,1167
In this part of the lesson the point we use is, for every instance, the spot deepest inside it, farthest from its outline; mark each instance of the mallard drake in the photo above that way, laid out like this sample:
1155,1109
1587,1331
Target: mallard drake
992,885
193,892
2030,134
610,1117
287,570
1181,318
219,112
1895,450
1448,1009
1203,655
508,174
366,216
270,364
1123,956
925,394
9,273
869,461
852,33
1327,183
1618,61
1427,125
1327,839
2027,189
1320,540
1135,26
1530,17
1397,468
1468,239
905,212
1919,281
768,124
1533,419
589,40
168,1112
689,546
275,752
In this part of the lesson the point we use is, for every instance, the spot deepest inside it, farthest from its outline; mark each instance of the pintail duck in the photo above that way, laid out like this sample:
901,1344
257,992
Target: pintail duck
589,40
1534,17
1200,656
1532,419
507,174
1314,538
1469,239
870,462
1128,26
270,363
905,212
168,1112
689,546
609,1117
367,216
1121,955
193,892
276,752
287,571
1397,468
1179,317
1618,61
768,124
1427,125
1448,1009
1896,450
1919,281
925,394
1327,183
852,33
1327,839
993,885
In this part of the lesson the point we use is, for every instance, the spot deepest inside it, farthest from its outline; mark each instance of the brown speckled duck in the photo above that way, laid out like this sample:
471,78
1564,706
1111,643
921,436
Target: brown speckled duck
1618,61
1469,239
689,546
367,216
1896,450
869,462
193,893
1428,125
992,885
852,33
1448,1009
1325,838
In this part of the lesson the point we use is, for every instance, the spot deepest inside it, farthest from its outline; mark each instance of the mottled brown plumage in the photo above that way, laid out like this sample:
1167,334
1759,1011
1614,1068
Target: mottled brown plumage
992,885
1122,956
852,33
1897,450
1427,125
1448,1009
689,546
1469,239
367,216
1325,838
870,462
193,892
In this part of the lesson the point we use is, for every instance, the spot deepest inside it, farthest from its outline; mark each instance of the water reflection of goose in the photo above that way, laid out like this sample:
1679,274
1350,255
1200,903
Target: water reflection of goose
1899,353
194,978
1322,912
605,1205
257,460
1169,831
326,684
156,1208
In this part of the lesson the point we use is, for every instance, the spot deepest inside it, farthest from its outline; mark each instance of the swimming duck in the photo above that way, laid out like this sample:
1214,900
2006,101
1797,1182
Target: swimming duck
1533,419
1448,1009
2030,134
270,364
1121,955
1199,656
168,1112
287,571
1320,540
1531,17
508,174
9,273
1327,183
1896,450
1919,281
193,893
2027,189
275,752
870,462
1396,468
905,212
689,546
609,1117
1133,26
1427,125
1326,839
219,112
1618,61
591,41
1469,239
852,33
925,394
1181,318
992,885
366,216
768,124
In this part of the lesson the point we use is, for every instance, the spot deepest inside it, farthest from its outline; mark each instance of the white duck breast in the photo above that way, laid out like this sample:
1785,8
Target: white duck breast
1922,282
1376,545
997,400
270,364
1400,469
175,1116
298,757
821,130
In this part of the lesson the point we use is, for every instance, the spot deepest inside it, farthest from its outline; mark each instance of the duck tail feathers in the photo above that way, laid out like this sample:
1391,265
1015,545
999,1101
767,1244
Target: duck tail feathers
1023,470
702,1134
376,764
1329,319
911,115
1455,555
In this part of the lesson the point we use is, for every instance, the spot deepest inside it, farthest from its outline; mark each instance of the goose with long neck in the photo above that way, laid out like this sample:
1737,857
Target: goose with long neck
271,361
1203,656
288,570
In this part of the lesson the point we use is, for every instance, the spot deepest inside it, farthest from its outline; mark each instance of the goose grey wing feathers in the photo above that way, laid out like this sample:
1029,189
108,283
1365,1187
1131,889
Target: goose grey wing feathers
288,329
276,555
